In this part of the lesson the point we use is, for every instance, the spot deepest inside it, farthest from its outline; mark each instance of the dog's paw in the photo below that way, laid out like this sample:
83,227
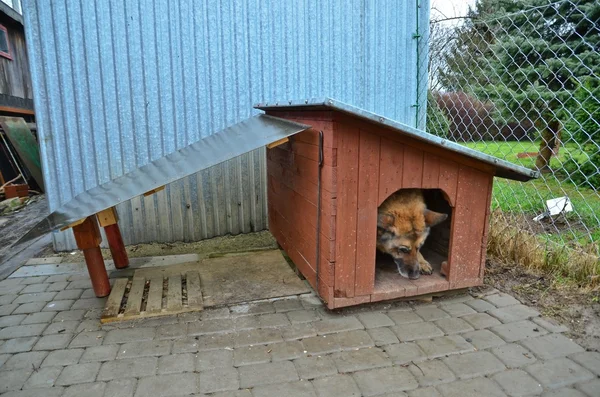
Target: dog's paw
426,267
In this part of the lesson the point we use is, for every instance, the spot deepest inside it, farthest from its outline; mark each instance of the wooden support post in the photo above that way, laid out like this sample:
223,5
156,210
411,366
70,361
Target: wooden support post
87,236
109,219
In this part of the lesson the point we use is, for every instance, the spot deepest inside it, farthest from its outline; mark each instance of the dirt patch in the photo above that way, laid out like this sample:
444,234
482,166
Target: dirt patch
205,248
574,307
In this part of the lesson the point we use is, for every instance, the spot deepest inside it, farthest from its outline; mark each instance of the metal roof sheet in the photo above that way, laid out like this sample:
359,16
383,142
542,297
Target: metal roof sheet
503,168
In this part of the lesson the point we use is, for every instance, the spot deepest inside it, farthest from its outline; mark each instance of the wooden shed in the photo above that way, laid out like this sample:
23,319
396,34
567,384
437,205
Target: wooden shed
353,160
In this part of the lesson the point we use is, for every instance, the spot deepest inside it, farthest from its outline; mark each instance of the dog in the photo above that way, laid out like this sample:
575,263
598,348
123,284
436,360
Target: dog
403,224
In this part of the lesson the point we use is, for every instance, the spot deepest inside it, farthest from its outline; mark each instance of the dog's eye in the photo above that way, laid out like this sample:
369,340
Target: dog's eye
404,250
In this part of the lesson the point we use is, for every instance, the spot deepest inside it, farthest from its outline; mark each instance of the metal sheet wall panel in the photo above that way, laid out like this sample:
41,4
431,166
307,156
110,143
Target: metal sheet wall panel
118,84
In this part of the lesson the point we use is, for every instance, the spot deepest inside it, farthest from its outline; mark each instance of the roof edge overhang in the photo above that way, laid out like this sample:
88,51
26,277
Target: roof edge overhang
503,168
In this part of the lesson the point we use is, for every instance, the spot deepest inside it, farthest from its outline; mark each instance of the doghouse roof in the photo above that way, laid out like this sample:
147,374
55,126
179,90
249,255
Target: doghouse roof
503,168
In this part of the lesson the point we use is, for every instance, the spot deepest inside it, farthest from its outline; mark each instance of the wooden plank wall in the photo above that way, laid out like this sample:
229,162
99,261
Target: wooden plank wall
15,78
292,170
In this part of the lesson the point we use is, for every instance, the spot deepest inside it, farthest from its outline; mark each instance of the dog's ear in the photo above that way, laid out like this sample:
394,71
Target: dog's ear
434,218
385,220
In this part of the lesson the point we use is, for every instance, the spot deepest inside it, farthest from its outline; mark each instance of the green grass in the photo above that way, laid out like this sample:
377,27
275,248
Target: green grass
529,197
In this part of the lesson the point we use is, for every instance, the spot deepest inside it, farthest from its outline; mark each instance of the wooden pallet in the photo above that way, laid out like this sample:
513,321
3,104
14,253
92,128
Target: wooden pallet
159,295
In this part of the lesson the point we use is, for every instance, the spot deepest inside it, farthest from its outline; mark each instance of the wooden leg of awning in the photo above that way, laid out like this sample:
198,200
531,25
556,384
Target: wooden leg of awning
88,238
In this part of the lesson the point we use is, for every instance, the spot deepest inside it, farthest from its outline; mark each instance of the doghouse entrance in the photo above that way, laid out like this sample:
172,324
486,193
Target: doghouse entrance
390,284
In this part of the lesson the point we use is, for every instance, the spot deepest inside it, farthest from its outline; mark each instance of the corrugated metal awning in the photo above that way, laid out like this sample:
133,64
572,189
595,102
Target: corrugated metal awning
503,168
221,146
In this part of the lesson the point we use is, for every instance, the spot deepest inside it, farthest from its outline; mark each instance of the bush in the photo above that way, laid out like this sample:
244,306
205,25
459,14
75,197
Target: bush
437,123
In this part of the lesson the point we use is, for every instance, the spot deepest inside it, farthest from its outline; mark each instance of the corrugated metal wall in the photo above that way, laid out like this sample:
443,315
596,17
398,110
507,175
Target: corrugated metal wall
118,84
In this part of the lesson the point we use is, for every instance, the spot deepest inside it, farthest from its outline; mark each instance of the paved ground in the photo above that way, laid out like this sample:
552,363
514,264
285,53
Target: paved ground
52,344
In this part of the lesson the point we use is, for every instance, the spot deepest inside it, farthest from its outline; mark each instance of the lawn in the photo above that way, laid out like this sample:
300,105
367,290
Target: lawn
529,197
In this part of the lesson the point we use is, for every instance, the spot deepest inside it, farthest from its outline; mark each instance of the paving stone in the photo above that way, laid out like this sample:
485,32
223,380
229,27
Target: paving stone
517,382
81,283
58,286
403,353
37,297
457,309
292,389
520,330
315,367
382,336
567,392
120,388
62,357
172,331
513,355
69,294
501,300
551,346
550,324
99,353
478,387
38,318
479,305
34,280
401,317
286,351
88,326
58,278
21,331
362,359
13,380
263,374
298,331
444,346
18,345
384,380
481,320
144,349
185,345
483,339
245,323
252,308
207,314
24,360
4,358
431,313
167,385
89,303
43,377
558,373
45,392
86,389
86,339
257,337
206,327
472,365
335,386
176,363
589,360
27,308
337,325
321,345
53,342
302,316
590,388
7,299
59,305
129,335
214,359
237,393
88,293
453,325
128,368
61,327
251,355
353,340
514,313
287,305
273,320
414,331
5,310
424,392
219,379
70,315
431,372
10,321
375,320
78,373
34,288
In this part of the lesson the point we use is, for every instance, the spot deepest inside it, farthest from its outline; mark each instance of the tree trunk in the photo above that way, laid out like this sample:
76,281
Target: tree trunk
549,145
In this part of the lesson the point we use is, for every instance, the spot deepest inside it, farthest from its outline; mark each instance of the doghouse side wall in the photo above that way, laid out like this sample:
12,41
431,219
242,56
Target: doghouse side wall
373,163
292,175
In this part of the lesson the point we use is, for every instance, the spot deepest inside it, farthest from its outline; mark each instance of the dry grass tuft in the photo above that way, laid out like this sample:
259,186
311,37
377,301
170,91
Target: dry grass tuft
508,242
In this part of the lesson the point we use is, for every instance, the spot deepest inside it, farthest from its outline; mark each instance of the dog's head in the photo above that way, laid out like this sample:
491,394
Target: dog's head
402,234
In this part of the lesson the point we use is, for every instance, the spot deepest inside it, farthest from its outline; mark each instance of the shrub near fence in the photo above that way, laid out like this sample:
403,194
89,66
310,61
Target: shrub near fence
520,80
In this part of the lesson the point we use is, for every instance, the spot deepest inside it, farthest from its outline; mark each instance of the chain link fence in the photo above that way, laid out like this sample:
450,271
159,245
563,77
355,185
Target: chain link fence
520,80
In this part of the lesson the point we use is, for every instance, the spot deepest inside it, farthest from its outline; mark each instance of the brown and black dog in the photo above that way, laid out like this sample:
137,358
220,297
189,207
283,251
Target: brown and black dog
403,224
